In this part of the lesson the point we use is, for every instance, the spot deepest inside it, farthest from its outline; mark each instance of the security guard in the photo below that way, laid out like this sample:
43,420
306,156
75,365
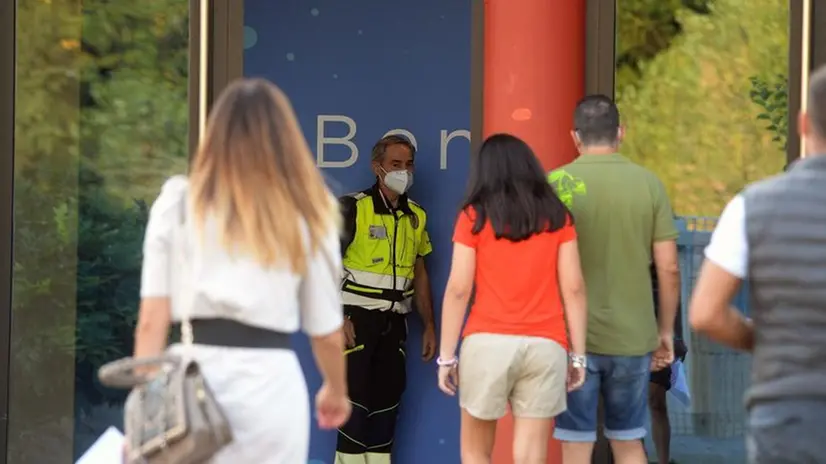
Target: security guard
383,245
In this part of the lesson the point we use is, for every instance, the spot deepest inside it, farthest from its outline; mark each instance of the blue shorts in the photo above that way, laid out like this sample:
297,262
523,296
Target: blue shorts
623,383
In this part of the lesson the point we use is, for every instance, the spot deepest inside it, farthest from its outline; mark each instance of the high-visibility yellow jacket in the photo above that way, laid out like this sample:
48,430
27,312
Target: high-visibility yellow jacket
380,246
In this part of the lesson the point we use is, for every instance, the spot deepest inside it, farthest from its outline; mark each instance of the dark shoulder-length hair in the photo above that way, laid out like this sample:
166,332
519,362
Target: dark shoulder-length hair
508,187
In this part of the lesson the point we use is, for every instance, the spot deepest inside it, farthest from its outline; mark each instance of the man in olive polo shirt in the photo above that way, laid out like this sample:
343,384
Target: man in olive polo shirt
623,217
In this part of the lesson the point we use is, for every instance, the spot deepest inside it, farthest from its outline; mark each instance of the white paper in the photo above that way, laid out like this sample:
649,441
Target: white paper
679,384
107,449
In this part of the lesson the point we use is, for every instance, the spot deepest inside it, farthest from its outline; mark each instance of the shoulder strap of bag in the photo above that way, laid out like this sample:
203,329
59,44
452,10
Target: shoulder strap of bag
181,263
336,271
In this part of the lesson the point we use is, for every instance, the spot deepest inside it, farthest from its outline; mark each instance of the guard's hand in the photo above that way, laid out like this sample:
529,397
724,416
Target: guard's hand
664,354
448,379
428,343
349,333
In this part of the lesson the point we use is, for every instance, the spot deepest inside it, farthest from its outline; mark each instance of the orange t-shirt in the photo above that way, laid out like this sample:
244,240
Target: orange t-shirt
517,290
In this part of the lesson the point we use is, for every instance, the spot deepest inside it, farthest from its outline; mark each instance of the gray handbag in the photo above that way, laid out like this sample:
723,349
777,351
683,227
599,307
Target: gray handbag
170,417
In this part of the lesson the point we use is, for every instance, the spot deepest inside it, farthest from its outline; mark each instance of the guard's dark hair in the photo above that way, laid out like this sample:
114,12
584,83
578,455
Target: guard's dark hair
817,101
508,187
596,120
388,140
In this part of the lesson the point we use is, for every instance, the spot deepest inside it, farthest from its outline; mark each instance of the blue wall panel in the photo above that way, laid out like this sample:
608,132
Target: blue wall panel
384,65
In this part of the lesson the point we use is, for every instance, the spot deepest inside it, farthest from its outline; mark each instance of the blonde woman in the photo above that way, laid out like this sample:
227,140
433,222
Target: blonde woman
263,249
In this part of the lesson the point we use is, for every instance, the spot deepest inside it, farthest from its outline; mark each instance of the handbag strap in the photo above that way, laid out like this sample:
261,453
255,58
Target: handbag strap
121,373
337,271
182,263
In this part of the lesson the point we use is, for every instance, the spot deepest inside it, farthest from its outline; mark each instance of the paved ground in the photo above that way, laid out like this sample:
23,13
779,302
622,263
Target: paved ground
692,449
686,449
700,450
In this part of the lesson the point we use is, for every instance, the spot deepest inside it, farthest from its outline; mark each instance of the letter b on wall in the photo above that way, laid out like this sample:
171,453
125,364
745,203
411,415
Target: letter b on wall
322,139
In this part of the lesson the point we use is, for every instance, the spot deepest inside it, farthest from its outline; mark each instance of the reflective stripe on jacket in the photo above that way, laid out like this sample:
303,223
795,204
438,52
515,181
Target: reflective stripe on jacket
380,249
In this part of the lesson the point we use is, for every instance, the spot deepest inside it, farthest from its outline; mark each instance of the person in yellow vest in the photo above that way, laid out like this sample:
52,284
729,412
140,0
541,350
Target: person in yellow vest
383,246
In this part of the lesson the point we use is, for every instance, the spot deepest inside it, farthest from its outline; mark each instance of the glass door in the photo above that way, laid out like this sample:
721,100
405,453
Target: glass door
703,88
95,108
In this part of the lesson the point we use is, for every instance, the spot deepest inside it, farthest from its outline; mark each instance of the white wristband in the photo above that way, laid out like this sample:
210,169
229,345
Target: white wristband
450,362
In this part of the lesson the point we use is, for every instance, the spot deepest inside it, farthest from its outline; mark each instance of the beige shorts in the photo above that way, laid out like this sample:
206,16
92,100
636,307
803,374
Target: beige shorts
527,372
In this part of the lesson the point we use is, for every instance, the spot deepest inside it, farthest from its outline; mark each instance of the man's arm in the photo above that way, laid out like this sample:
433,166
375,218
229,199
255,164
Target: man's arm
347,205
421,282
711,312
720,279
666,261
423,296
349,209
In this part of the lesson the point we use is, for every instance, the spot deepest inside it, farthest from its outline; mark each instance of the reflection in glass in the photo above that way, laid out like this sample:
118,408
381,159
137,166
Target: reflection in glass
101,120
702,88
685,83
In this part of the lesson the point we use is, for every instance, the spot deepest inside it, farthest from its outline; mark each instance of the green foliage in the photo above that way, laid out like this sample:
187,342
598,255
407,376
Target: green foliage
134,121
135,110
773,98
101,121
646,28
689,115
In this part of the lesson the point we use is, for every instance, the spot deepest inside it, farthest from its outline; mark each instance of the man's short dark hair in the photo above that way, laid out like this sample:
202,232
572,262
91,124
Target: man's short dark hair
817,101
596,120
388,140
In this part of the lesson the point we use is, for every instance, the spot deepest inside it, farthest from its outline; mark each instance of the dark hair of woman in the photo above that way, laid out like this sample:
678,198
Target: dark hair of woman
508,187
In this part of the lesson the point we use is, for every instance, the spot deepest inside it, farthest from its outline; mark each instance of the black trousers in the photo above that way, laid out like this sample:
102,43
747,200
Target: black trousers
376,378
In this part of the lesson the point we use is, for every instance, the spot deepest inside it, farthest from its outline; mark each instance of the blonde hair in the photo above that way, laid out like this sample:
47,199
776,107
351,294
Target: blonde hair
255,175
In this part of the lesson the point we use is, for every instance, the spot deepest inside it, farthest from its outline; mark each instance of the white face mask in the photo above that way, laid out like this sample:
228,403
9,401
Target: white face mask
398,181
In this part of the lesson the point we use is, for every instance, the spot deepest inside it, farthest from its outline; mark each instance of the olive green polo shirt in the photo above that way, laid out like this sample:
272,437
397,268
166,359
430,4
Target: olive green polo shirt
620,209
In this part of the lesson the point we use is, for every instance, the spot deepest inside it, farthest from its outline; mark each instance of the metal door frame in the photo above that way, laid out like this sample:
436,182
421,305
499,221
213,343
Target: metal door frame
214,60
600,46
8,23
224,37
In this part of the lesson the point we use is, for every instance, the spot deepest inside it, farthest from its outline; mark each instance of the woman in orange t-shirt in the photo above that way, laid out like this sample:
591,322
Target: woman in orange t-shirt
516,243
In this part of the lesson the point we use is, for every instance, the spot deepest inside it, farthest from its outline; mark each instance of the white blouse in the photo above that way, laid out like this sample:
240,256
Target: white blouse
235,286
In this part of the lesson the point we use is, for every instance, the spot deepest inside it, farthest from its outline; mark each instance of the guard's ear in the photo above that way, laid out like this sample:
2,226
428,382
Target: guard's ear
802,124
575,138
804,127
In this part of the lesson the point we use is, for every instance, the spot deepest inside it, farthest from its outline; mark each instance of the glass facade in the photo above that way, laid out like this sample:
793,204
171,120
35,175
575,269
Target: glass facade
703,89
101,116
704,92
101,119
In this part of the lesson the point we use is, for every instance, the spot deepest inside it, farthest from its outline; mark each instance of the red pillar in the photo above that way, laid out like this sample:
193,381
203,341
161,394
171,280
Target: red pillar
534,73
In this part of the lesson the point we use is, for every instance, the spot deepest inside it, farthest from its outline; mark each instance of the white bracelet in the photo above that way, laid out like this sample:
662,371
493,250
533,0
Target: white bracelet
451,362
